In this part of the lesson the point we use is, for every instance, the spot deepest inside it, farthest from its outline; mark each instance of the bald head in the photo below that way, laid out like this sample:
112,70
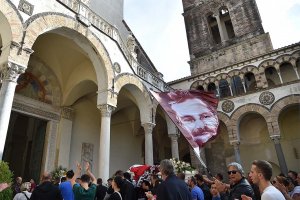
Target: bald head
46,176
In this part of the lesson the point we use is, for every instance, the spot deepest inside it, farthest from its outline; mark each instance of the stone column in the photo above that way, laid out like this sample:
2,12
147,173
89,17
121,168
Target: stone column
245,90
230,90
174,145
104,150
279,153
218,91
65,131
50,146
296,71
222,29
148,143
10,75
280,78
237,155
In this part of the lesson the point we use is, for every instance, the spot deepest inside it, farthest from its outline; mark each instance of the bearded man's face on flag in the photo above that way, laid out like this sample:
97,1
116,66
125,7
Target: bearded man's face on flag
197,118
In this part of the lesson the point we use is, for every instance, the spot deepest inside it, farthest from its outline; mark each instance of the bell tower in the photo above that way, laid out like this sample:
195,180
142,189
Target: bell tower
223,32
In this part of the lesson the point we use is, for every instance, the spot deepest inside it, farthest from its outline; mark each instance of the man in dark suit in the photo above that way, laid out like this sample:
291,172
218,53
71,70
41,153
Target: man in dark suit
101,190
172,188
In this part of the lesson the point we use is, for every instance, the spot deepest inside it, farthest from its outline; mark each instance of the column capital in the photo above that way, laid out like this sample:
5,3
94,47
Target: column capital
106,109
275,138
235,143
174,136
67,113
12,71
148,127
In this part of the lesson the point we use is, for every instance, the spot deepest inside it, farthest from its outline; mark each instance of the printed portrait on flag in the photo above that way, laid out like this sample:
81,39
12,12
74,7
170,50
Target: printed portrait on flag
194,113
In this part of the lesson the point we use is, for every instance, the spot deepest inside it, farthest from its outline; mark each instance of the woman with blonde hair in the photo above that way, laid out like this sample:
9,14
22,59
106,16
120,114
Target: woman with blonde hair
24,194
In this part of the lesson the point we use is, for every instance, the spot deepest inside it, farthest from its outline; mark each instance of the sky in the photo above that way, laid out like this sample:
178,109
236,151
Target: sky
159,27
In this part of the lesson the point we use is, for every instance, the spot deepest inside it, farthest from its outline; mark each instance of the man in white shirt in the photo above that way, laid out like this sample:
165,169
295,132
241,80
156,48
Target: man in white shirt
260,174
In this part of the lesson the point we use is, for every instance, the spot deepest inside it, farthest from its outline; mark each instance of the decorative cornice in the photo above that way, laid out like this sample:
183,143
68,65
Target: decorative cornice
35,111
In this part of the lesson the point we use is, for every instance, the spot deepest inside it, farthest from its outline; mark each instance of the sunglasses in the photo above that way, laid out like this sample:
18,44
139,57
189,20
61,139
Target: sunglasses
231,172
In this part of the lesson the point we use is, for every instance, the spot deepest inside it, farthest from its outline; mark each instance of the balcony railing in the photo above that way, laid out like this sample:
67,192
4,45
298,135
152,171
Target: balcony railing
88,17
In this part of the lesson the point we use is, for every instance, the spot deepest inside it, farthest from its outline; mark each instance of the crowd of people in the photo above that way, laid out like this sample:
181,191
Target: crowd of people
166,186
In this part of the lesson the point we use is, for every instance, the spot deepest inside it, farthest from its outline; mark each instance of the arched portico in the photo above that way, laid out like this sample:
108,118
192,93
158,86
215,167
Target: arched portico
62,24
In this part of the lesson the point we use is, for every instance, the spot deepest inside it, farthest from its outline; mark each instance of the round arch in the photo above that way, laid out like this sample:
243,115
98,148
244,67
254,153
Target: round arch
139,91
240,112
196,84
262,66
282,103
80,89
10,29
59,23
224,118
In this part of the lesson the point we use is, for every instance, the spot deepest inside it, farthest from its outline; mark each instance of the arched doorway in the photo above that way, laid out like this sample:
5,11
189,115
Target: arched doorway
24,145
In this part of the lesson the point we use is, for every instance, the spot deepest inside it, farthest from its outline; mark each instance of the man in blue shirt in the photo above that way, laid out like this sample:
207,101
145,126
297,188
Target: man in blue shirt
66,187
197,193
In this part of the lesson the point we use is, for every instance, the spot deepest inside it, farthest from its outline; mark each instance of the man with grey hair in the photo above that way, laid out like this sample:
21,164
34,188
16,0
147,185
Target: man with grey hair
238,183
172,188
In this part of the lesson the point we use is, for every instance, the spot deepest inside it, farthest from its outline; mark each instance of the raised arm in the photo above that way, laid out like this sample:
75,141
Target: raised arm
77,173
88,171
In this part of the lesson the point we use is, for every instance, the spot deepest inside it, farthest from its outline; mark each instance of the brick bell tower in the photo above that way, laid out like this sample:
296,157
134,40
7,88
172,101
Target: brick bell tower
223,32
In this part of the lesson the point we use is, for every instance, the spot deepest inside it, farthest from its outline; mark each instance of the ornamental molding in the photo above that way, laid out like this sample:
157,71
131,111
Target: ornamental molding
35,111
35,108
117,67
26,7
266,98
228,106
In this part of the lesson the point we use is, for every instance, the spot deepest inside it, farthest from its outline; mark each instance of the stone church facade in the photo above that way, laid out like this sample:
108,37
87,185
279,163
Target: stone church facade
75,86
258,86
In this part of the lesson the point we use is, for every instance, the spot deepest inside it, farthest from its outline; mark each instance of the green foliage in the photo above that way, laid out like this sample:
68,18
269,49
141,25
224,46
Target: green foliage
6,176
58,172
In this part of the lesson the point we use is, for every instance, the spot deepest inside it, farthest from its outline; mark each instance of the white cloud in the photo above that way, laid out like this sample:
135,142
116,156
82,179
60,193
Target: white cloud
159,27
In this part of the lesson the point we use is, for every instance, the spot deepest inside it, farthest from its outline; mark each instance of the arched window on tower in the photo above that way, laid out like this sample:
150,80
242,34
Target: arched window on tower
224,88
237,86
250,82
287,72
272,76
200,87
212,88
226,23
214,29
